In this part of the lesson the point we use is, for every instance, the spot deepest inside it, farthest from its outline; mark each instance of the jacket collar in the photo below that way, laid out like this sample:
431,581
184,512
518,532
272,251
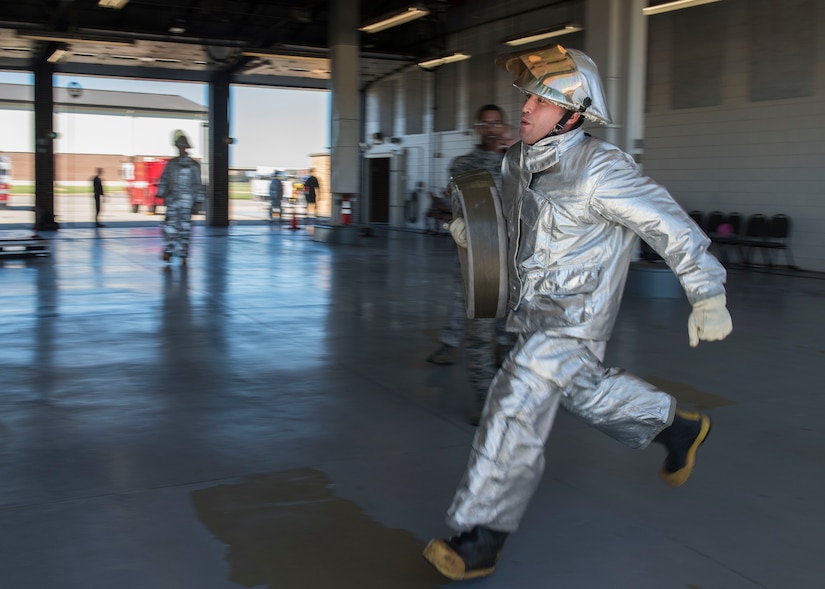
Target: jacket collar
544,153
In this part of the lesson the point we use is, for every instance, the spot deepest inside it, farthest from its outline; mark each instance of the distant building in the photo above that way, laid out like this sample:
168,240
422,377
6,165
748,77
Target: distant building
98,129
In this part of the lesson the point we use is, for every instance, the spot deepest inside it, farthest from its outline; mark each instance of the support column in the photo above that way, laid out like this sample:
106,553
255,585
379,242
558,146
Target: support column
616,39
636,80
44,148
217,198
345,154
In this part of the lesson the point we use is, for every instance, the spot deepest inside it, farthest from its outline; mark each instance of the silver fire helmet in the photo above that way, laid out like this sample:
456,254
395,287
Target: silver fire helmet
565,77
179,139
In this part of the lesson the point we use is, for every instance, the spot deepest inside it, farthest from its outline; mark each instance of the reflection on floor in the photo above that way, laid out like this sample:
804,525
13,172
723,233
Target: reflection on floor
266,418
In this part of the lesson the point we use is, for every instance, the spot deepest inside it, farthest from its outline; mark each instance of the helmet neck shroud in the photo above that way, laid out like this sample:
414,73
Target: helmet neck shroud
567,115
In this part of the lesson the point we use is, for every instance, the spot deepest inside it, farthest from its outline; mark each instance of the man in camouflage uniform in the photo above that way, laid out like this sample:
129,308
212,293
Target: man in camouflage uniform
486,338
180,186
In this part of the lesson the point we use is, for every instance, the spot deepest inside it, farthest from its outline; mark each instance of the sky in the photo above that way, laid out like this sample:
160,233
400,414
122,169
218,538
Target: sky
271,126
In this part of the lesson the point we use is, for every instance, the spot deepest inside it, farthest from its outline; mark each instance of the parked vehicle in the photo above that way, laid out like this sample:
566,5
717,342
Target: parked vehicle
259,182
5,180
142,179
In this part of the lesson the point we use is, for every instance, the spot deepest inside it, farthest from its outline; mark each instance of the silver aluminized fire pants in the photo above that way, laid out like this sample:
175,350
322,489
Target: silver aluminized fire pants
507,459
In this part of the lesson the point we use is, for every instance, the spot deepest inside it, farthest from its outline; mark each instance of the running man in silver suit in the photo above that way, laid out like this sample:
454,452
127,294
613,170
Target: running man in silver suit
574,206
180,186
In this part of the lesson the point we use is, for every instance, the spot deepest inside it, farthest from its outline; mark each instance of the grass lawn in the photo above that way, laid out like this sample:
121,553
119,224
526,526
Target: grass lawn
237,190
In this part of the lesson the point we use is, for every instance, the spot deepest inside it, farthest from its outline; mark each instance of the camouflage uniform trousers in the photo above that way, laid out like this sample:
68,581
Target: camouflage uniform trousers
178,226
486,341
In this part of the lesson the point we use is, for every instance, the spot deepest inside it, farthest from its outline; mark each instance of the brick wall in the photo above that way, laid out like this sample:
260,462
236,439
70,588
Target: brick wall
320,163
69,167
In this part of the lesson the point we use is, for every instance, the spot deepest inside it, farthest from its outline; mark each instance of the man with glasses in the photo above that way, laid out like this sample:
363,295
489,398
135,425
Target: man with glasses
486,338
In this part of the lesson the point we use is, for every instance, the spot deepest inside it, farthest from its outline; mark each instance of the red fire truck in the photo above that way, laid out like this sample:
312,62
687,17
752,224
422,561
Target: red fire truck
5,180
141,179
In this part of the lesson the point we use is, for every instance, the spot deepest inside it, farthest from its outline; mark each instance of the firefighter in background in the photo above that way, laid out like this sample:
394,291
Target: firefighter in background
180,186
276,193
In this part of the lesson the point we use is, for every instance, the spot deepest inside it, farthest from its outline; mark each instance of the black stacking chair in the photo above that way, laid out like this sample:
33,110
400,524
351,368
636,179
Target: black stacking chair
735,221
715,219
729,239
778,233
755,236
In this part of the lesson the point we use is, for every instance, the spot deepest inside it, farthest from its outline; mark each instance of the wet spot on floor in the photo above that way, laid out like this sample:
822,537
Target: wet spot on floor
288,530
687,395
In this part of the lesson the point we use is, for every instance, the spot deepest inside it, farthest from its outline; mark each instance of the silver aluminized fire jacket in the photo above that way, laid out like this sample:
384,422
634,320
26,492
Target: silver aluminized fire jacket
580,202
574,205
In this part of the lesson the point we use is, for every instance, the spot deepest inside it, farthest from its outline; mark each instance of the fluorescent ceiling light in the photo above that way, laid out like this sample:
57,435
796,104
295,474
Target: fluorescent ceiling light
57,55
387,22
439,61
675,5
70,38
115,4
542,34
311,59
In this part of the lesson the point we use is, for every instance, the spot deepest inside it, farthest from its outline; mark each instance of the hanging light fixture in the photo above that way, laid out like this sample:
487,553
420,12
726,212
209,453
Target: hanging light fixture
675,5
542,34
430,64
393,20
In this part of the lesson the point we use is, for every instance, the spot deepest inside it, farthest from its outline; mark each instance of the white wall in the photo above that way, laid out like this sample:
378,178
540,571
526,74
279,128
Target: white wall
18,130
123,135
101,134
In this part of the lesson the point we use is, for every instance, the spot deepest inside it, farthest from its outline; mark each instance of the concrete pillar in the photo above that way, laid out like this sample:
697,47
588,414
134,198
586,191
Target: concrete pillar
345,154
217,198
616,39
605,43
44,148
636,79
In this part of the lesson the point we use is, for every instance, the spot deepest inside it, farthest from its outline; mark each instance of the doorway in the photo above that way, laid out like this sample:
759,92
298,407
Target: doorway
379,189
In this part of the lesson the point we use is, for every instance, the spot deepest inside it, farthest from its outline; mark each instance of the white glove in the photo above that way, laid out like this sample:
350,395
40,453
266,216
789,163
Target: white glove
458,229
709,321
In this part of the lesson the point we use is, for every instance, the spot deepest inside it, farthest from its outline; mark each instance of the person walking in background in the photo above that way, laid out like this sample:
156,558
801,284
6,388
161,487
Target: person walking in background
180,187
97,190
311,186
574,206
276,193
487,341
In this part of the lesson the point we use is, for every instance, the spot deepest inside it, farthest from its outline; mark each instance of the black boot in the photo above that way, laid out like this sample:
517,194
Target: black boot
469,555
443,356
682,439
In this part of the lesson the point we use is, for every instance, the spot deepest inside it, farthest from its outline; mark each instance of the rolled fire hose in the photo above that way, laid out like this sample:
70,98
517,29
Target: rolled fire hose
484,261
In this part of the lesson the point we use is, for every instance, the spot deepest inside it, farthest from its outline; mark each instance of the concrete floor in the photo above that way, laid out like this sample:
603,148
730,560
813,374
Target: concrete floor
266,418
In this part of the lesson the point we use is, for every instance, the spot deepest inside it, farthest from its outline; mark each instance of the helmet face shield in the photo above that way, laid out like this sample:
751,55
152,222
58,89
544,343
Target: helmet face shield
565,77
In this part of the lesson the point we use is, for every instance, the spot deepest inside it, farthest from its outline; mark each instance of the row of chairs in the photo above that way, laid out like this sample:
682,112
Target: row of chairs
758,232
